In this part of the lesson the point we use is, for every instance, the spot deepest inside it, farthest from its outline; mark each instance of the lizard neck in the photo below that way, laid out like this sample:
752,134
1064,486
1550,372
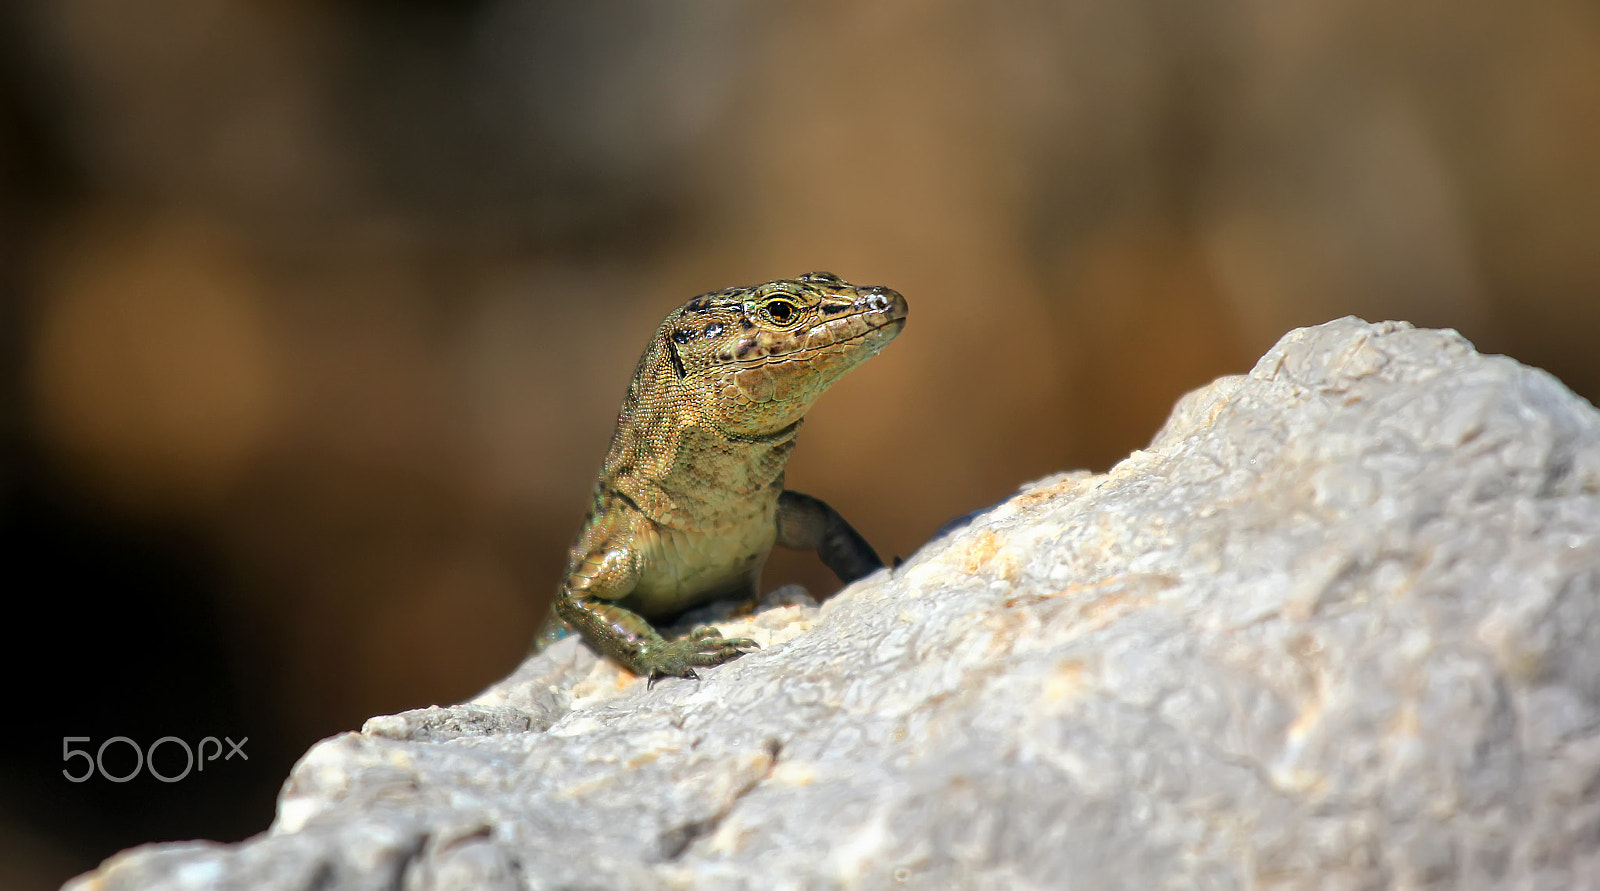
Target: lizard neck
708,479
669,460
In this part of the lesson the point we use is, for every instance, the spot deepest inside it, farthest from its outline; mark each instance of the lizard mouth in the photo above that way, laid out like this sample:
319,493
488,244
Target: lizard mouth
803,351
889,318
896,322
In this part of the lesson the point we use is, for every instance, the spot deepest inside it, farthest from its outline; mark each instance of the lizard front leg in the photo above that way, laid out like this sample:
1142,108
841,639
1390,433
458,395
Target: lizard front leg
609,574
809,524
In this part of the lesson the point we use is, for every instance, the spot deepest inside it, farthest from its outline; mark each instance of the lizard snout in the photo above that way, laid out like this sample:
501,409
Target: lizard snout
877,298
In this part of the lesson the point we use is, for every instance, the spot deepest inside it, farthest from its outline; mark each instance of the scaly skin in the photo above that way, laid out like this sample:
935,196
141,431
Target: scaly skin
690,499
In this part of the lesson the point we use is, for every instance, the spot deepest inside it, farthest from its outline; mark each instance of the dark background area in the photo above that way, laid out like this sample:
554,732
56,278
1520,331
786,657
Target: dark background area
315,314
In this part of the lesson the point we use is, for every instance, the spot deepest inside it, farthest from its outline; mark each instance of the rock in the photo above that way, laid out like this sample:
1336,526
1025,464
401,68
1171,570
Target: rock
1338,627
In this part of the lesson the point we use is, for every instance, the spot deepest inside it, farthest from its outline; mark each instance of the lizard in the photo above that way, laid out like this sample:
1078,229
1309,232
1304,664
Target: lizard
690,499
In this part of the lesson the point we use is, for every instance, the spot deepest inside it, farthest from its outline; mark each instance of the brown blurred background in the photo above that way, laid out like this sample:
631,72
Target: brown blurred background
316,313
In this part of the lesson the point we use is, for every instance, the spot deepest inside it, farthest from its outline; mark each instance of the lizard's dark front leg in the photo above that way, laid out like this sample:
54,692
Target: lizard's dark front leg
809,524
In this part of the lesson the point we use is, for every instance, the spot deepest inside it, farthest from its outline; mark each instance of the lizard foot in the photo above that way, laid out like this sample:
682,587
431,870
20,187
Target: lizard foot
704,646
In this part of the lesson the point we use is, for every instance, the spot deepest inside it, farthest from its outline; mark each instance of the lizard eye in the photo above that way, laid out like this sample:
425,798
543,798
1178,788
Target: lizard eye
781,311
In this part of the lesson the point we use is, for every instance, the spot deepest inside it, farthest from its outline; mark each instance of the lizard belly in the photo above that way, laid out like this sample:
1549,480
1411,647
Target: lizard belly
687,569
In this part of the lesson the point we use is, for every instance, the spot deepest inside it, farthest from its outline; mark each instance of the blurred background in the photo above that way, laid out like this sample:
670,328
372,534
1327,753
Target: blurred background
315,314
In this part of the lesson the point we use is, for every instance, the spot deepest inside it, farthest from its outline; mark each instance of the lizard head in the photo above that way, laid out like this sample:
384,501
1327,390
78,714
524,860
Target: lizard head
756,358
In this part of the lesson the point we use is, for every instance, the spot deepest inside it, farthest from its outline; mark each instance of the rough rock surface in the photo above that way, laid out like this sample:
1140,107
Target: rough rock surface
1338,627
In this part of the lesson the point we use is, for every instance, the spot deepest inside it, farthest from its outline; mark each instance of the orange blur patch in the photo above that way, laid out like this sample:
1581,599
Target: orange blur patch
980,552
1068,681
153,369
643,759
1055,490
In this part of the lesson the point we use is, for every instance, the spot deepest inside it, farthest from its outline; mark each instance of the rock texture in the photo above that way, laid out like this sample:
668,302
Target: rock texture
1338,627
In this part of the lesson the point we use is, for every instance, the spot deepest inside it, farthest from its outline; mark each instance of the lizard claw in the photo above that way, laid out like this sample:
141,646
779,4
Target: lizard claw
650,683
